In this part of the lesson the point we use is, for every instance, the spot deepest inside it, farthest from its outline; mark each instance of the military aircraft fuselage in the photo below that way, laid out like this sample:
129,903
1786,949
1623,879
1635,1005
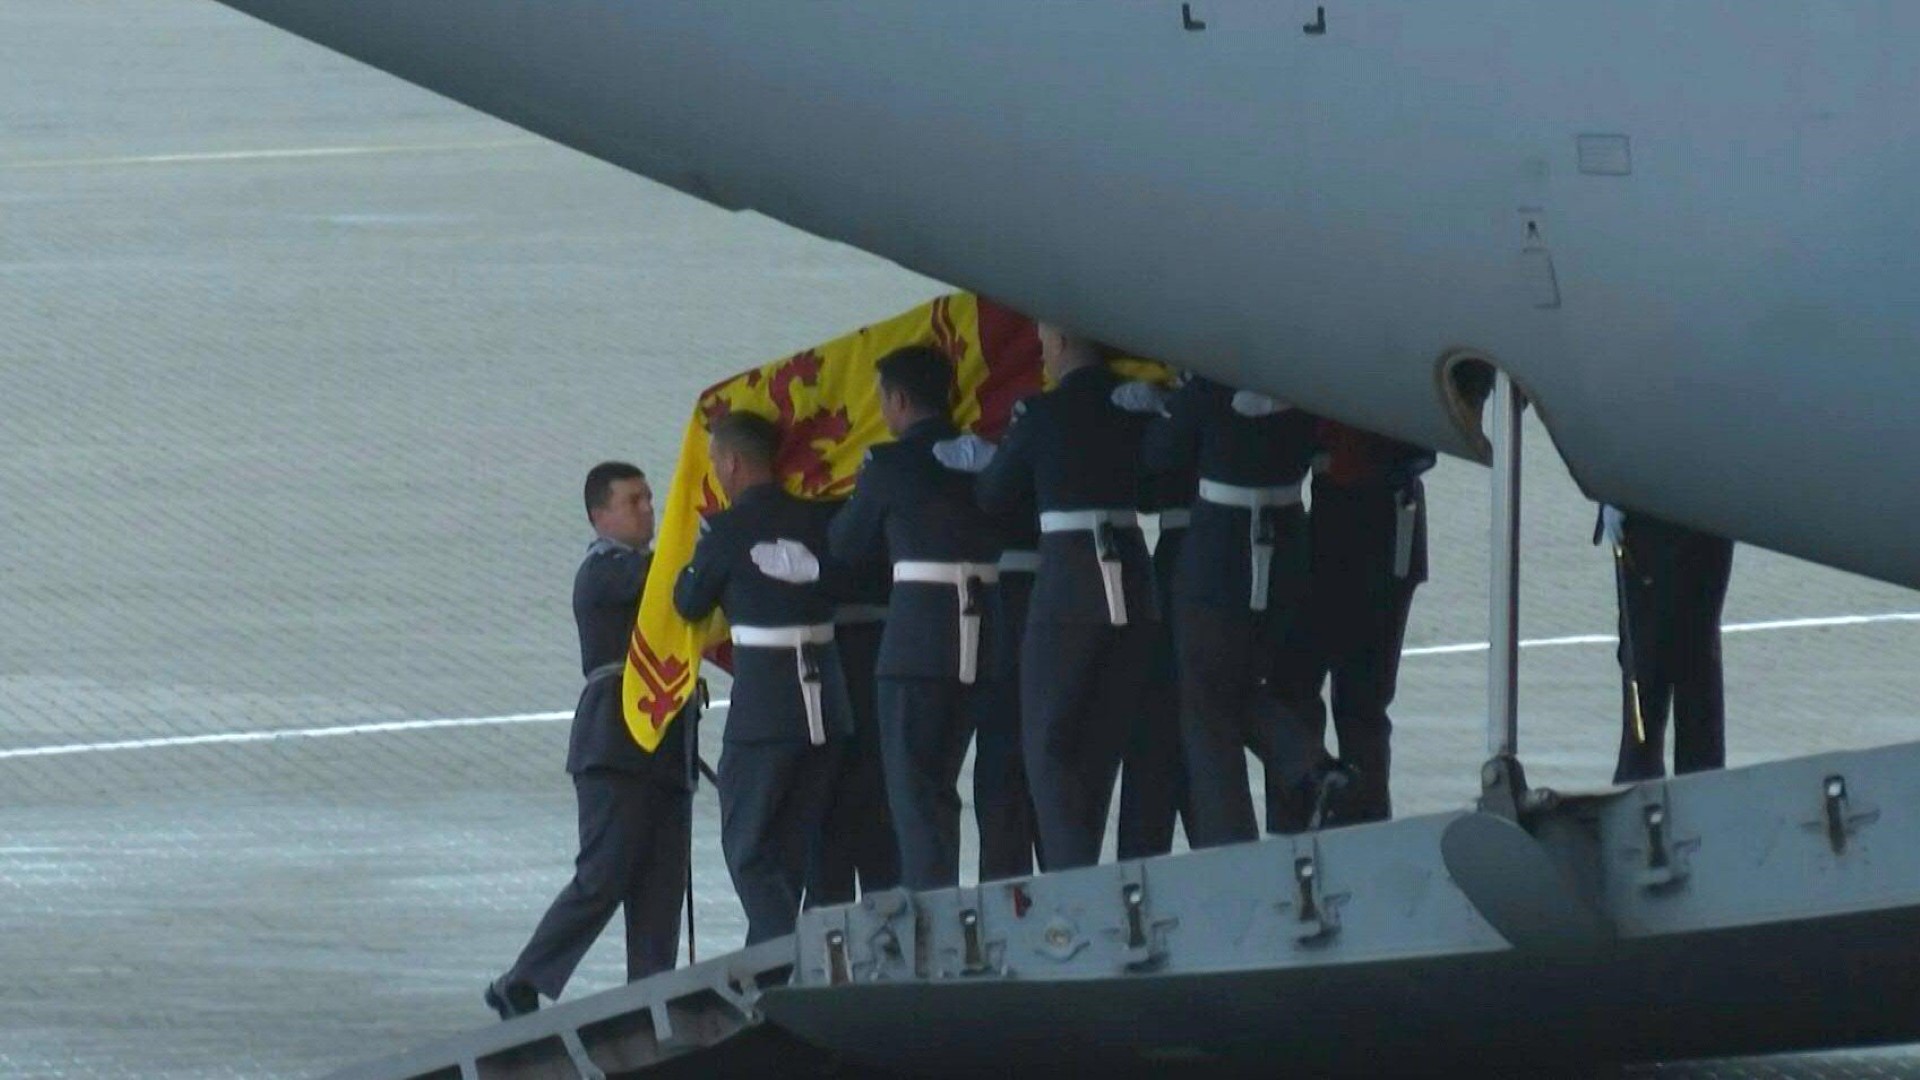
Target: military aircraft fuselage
1689,232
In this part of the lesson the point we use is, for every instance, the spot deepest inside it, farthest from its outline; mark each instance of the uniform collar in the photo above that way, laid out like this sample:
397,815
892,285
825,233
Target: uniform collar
1083,374
604,545
932,429
758,493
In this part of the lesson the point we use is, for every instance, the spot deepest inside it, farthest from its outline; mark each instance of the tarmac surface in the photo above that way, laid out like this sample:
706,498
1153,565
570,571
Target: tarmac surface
300,367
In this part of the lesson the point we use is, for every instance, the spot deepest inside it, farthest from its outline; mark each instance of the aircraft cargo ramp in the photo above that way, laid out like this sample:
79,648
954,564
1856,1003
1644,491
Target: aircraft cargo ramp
1761,910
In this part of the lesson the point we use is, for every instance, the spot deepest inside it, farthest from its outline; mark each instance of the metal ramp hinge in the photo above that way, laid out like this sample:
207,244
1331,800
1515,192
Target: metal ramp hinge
839,970
979,953
1316,912
1663,862
1141,936
1841,816
577,1053
973,958
1503,787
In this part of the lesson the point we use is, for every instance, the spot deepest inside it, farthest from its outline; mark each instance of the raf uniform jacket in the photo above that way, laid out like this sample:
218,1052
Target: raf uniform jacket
1371,485
1072,448
909,507
1203,430
767,705
606,596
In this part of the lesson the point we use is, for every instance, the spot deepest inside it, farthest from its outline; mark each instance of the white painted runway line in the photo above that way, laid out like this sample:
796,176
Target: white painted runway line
392,726
1817,623
282,154
229,737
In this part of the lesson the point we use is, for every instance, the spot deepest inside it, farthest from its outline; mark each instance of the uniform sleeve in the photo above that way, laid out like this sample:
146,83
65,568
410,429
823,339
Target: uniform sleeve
1006,484
1172,444
857,532
697,591
616,579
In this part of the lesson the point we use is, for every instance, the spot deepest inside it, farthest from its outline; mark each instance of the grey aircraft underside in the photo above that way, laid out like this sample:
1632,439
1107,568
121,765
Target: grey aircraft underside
1686,231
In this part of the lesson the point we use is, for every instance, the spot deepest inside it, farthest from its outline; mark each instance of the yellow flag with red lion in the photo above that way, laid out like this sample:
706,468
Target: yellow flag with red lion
827,405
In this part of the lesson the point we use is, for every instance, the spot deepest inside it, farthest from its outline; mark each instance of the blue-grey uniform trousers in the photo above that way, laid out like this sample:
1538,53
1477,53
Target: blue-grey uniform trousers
857,843
635,834
1673,587
1154,783
1082,685
925,726
1002,805
773,801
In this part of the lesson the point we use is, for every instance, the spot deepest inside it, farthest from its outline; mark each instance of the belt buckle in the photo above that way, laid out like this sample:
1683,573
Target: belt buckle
1266,525
1104,547
972,590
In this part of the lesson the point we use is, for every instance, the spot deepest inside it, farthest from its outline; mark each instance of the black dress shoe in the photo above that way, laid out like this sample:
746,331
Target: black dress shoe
511,999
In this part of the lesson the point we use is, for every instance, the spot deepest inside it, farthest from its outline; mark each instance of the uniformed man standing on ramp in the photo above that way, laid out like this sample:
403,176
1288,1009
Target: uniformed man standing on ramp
1239,593
1672,586
920,515
763,562
1088,647
635,812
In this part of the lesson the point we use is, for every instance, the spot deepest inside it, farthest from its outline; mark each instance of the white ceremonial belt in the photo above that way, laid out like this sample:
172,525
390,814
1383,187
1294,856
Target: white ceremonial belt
961,577
1018,561
945,573
847,614
781,637
1260,529
796,638
1101,524
1249,498
1175,519
1059,521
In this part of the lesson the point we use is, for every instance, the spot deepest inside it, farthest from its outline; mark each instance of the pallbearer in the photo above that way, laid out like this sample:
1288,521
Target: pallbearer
1239,593
1154,786
1369,538
763,562
912,511
857,853
1088,646
1002,802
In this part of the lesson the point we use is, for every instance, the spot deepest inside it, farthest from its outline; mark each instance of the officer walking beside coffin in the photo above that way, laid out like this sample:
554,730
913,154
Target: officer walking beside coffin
1239,592
911,510
635,812
763,562
1085,659
1672,585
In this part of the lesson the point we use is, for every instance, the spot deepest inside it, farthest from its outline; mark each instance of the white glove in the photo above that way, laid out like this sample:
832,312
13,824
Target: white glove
786,560
968,453
1249,404
1140,397
1613,523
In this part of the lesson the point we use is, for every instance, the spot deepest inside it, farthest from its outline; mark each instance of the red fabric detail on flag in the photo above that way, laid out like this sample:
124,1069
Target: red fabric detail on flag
663,682
1011,347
